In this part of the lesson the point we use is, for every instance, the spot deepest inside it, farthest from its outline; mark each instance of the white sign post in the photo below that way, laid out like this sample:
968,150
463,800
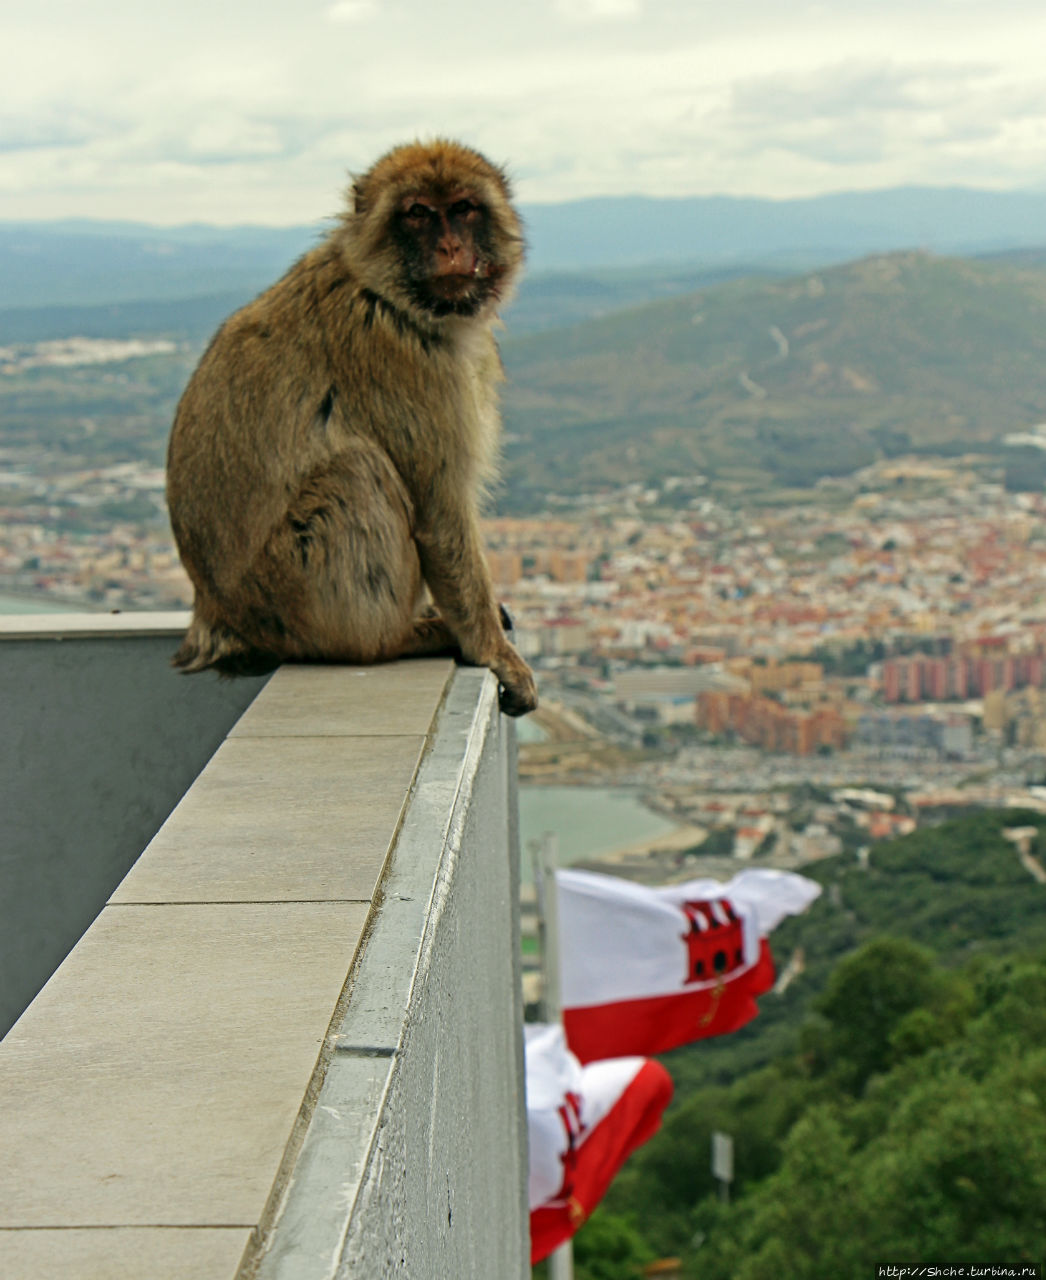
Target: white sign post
723,1163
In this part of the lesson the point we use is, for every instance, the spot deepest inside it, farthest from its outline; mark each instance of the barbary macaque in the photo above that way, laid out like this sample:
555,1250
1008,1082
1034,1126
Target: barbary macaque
330,453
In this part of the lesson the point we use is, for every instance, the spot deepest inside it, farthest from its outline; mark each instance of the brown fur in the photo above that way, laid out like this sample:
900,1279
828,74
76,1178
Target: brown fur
329,454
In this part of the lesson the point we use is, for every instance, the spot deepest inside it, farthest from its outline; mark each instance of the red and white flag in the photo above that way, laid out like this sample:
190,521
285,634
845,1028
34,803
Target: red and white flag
583,1123
643,970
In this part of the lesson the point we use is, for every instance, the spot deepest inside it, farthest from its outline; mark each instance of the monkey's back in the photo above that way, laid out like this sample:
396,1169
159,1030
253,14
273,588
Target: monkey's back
289,379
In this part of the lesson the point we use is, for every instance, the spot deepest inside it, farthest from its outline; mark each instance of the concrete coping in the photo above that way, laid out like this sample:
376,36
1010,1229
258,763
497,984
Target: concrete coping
80,626
161,1092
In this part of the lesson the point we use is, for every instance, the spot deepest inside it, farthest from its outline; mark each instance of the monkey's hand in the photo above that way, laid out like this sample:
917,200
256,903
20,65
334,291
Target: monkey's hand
518,693
452,565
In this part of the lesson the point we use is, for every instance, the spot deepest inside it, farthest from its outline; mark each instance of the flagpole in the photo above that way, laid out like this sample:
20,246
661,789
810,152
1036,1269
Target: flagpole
548,858
561,1262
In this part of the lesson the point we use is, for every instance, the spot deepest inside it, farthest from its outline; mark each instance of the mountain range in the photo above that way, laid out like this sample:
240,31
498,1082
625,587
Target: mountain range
783,381
80,262
752,375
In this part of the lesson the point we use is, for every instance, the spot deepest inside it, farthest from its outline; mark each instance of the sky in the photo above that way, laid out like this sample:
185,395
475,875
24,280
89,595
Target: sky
232,112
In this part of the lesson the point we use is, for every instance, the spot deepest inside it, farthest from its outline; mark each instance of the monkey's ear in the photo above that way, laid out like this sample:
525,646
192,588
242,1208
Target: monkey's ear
357,193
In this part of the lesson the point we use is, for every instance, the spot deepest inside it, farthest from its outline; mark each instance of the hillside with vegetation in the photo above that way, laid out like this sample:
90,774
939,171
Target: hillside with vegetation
553,300
888,1107
781,382
762,383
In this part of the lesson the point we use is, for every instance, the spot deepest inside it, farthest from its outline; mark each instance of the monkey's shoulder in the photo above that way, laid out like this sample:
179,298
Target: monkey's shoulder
319,351
289,313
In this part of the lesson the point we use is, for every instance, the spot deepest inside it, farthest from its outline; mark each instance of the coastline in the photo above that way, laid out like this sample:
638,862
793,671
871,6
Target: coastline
19,602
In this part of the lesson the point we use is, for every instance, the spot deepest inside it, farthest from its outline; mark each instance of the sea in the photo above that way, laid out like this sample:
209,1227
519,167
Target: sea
587,821
27,604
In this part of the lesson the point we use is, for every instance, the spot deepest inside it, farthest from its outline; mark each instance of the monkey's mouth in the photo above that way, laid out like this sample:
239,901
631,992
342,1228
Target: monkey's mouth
455,279
461,293
458,284
463,272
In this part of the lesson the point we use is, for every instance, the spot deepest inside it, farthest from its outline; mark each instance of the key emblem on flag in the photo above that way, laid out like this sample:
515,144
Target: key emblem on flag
574,1128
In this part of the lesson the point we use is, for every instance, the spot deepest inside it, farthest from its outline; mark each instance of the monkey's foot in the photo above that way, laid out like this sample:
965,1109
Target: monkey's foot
515,703
252,662
220,649
519,694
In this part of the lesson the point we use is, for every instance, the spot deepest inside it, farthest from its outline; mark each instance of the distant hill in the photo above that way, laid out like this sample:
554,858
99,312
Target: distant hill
550,301
820,229
560,299
191,319
1029,257
783,381
82,262
763,381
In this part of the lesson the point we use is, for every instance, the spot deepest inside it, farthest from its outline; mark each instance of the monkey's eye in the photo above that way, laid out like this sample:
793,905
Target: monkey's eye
418,212
463,208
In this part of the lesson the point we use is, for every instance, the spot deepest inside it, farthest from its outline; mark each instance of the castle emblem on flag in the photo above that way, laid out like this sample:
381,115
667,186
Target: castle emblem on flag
714,940
643,969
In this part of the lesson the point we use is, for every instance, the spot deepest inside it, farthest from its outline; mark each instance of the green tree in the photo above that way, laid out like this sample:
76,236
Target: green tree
868,996
610,1247
804,1222
961,1171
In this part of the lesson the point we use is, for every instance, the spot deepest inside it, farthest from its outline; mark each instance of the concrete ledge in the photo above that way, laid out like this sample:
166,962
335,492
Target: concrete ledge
122,1253
290,1045
413,1162
83,626
99,740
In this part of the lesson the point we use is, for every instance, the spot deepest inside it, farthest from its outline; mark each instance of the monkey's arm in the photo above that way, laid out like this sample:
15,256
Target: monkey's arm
453,565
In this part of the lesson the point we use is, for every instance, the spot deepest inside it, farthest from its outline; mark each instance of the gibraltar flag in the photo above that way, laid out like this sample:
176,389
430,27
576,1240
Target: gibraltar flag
644,970
583,1123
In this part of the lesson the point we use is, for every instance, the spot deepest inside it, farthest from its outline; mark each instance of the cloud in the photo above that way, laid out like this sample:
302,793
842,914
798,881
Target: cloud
860,113
263,118
352,10
54,129
597,10
836,92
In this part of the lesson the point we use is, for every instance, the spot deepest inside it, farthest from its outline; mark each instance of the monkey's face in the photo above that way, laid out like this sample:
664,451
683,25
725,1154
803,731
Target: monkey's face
448,251
432,230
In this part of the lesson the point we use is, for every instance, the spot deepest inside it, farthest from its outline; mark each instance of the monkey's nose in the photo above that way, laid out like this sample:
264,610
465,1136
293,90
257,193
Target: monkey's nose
453,259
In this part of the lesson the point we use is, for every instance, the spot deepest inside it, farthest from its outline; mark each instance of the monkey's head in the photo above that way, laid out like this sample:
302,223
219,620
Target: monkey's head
432,230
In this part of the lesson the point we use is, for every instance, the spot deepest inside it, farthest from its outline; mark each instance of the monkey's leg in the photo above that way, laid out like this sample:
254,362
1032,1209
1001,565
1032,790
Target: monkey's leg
455,570
339,578
431,636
